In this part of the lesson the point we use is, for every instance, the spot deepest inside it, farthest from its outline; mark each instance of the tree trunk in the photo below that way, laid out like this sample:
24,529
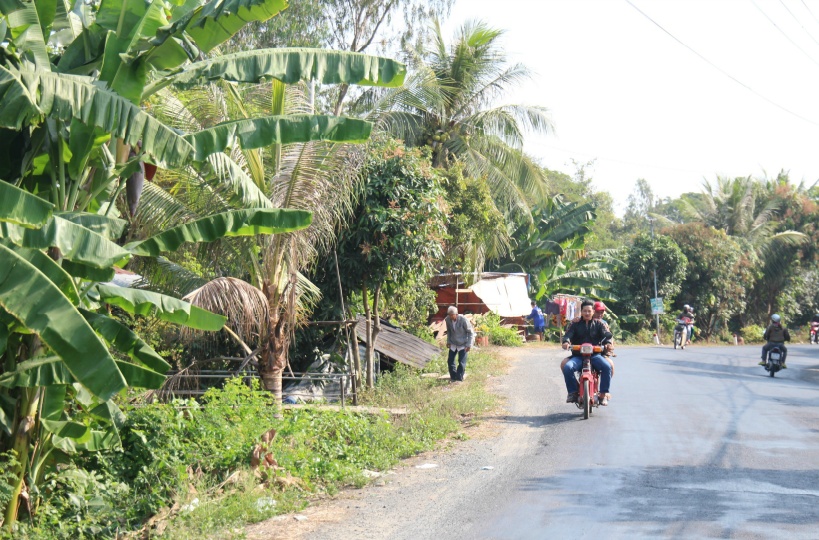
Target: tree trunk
376,320
29,403
356,355
369,334
274,354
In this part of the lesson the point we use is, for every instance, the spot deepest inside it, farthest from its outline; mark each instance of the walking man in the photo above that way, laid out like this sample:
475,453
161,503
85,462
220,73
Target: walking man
459,338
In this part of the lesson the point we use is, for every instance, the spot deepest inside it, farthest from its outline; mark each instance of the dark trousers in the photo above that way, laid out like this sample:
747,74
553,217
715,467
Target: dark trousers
457,374
770,345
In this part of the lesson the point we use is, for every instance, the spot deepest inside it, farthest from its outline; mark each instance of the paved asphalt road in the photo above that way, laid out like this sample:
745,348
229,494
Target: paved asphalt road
698,443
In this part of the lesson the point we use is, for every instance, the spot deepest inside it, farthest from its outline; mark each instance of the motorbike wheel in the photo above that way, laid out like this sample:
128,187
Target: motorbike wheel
586,401
771,370
676,340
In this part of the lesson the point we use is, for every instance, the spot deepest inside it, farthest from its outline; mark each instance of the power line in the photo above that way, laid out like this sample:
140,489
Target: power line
809,57
798,21
809,11
713,65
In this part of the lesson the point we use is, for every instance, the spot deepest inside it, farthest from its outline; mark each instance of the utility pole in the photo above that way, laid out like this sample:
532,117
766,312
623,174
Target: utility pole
657,315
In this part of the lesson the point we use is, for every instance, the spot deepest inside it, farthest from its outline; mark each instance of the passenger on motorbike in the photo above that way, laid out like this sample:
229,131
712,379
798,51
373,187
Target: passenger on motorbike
599,311
587,330
776,335
687,313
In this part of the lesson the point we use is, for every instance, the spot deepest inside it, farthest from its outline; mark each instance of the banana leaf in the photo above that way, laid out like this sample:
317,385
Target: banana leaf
91,441
22,208
293,65
126,341
233,223
217,20
160,306
43,371
50,268
109,227
68,97
140,377
260,132
76,243
29,296
127,79
27,30
18,107
90,273
84,140
53,402
10,6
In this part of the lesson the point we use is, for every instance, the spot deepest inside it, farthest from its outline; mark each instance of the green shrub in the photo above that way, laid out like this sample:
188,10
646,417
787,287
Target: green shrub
489,325
752,333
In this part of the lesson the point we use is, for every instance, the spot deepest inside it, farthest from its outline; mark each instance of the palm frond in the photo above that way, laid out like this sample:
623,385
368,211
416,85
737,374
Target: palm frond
244,305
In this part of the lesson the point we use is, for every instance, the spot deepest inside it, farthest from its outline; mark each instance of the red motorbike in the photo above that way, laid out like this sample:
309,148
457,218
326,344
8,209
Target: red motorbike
589,379
814,333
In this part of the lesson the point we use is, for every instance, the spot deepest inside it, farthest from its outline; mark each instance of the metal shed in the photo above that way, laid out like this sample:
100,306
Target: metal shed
399,346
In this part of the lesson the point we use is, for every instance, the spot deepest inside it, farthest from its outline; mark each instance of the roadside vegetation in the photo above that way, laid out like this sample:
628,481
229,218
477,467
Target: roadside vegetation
200,469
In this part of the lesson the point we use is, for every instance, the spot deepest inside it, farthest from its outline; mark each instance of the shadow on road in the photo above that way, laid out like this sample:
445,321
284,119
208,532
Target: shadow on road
667,497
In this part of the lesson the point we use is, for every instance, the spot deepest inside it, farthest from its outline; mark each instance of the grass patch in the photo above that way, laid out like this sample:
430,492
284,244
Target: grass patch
185,467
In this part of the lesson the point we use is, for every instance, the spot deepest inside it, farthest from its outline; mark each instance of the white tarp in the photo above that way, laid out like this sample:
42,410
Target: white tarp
507,296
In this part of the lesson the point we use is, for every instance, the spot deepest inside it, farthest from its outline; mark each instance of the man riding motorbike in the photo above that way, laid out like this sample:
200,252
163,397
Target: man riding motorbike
687,313
587,330
776,335
814,326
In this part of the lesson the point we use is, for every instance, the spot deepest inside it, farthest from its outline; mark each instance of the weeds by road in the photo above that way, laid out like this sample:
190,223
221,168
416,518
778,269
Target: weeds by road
186,469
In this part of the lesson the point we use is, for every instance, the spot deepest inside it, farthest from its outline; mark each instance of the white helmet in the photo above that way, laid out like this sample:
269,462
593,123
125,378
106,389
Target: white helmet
687,307
776,318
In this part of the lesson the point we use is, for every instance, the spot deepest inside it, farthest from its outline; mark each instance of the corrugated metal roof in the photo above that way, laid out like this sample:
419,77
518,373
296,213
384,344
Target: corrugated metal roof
399,345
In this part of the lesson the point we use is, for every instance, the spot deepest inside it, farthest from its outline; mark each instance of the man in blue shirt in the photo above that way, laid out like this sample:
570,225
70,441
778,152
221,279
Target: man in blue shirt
537,319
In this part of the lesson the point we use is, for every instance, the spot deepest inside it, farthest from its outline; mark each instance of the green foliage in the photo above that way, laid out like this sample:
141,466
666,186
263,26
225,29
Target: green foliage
644,255
409,306
476,230
719,274
398,225
580,189
752,333
489,325
7,464
170,448
447,106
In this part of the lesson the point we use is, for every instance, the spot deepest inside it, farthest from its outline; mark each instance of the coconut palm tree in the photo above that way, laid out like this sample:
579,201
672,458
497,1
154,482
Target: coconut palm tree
264,310
750,209
450,105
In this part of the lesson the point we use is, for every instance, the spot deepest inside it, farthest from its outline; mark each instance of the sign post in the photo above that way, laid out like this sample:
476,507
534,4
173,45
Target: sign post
657,306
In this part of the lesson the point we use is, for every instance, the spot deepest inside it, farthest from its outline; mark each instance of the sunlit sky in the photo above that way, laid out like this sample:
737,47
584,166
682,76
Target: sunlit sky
731,87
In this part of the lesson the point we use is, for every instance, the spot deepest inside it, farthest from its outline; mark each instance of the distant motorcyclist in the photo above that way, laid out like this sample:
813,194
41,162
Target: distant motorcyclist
687,313
814,329
776,335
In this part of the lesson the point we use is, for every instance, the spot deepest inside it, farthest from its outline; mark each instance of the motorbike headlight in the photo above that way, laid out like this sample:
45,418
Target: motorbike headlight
586,349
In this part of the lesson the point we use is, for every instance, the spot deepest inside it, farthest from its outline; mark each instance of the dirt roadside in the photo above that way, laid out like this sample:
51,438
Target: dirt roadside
417,498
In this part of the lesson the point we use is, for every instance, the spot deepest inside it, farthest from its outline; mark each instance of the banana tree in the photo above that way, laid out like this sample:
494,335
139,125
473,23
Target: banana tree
75,131
55,340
